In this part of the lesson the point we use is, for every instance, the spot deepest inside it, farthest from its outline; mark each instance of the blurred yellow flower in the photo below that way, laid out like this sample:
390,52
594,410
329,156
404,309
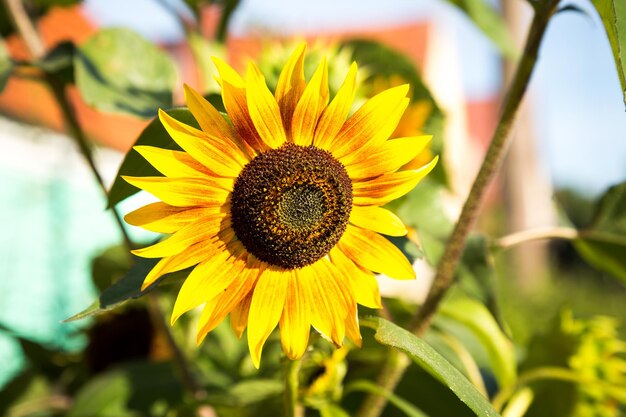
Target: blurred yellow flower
279,211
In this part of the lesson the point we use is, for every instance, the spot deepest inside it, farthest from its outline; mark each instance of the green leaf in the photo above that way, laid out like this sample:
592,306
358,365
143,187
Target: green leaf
475,317
613,14
432,362
246,393
119,71
6,66
403,405
490,22
602,253
135,389
135,165
110,266
128,287
603,243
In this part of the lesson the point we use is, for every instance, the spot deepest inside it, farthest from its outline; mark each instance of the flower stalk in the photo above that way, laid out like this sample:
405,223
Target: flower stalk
393,369
292,369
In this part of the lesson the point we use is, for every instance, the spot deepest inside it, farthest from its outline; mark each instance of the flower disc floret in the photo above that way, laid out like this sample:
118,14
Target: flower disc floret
291,205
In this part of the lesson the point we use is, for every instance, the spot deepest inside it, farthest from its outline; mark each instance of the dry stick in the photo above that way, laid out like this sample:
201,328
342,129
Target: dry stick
564,233
393,369
36,48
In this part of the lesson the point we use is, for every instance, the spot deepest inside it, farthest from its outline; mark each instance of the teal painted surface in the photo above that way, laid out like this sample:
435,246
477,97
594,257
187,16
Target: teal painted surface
52,225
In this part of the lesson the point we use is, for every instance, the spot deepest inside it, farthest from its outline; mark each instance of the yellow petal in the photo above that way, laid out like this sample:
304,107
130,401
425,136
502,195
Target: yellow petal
328,310
263,109
370,125
211,121
265,309
172,163
239,315
236,104
192,256
378,220
352,330
392,155
290,85
311,104
362,283
218,156
217,308
295,322
204,228
334,116
180,192
374,252
208,280
163,218
388,187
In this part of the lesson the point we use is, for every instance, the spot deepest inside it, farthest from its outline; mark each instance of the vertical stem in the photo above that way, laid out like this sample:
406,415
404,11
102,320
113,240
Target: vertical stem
393,369
292,368
75,131
25,28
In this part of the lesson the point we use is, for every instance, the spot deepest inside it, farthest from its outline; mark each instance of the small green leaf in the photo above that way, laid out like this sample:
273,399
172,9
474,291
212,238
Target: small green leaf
490,22
432,362
613,14
403,405
475,317
135,165
110,266
119,71
333,410
603,243
126,288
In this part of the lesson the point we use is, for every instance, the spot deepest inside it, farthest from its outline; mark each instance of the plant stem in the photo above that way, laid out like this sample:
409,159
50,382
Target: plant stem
566,233
36,48
25,28
393,369
75,131
292,368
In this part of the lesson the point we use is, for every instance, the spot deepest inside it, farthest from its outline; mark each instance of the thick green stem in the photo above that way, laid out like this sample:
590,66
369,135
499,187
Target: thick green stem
393,369
292,408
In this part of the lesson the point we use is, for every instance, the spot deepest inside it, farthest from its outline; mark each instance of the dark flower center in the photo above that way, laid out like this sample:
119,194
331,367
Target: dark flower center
291,205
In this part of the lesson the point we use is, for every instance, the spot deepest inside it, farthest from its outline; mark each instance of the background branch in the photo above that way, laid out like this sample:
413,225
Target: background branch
394,369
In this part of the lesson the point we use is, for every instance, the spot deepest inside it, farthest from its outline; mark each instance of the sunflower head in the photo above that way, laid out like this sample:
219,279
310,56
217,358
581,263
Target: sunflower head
279,209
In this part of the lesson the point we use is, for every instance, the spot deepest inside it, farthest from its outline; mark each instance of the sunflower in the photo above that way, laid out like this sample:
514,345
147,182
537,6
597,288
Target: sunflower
279,210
